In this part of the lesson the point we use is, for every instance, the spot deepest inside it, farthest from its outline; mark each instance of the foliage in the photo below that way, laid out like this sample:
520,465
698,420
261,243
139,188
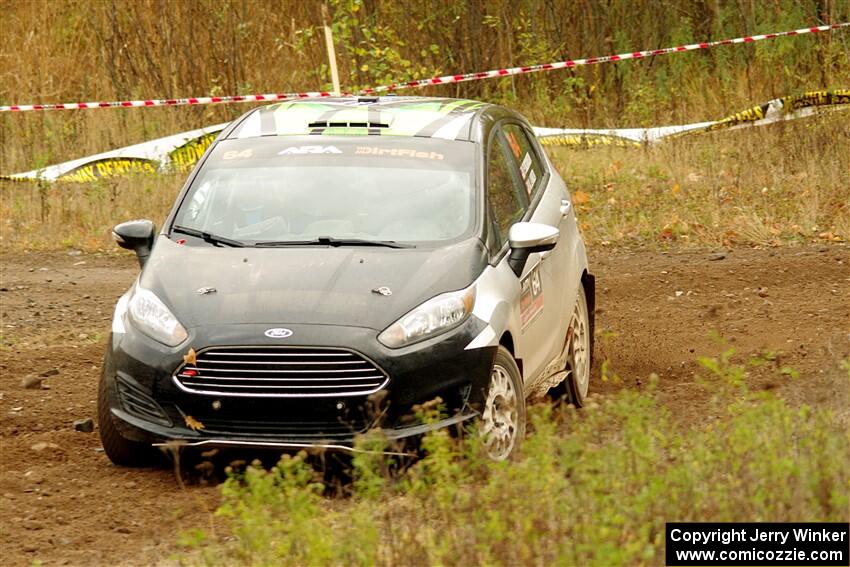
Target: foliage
69,50
592,487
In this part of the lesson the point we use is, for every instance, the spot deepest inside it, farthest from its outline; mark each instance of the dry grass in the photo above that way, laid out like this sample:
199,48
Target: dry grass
80,216
785,183
769,186
779,184
70,50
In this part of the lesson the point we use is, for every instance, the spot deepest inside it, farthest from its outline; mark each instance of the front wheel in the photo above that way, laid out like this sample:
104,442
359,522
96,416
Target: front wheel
503,420
578,361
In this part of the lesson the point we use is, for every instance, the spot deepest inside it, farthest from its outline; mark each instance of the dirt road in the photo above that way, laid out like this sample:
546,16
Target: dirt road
64,503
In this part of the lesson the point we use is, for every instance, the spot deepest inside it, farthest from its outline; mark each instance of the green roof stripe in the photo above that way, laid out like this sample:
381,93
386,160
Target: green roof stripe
422,117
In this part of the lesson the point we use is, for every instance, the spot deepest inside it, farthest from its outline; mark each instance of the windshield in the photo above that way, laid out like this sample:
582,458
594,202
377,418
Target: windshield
282,190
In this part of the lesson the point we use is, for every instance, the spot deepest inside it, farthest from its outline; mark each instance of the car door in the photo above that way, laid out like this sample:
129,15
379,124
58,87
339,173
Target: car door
549,204
510,201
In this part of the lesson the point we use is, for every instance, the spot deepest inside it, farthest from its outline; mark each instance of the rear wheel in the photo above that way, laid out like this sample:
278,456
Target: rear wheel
503,420
578,361
121,451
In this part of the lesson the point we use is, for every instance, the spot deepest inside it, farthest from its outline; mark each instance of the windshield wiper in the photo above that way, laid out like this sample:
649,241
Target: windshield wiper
207,237
331,241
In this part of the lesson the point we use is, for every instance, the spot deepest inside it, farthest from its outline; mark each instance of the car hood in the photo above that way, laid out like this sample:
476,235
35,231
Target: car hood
305,285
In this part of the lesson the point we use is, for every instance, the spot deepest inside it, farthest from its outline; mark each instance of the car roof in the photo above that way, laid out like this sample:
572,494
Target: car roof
428,117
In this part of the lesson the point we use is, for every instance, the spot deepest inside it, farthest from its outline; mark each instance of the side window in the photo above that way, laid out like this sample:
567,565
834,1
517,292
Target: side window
523,154
508,200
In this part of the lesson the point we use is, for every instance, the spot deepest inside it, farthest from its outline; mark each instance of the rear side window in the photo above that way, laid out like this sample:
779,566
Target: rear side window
508,199
523,154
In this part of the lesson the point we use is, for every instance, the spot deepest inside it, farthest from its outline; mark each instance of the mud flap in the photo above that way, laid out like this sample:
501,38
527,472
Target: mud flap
589,282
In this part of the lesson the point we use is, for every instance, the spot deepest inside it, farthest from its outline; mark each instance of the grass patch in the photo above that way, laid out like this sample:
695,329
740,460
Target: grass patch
772,185
592,487
786,183
80,216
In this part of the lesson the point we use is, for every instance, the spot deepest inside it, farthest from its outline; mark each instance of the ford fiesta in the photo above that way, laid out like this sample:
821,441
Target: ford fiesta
331,264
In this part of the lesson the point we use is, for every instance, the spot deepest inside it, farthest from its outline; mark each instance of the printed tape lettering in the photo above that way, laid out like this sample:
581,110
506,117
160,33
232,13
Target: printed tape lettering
109,167
188,154
150,157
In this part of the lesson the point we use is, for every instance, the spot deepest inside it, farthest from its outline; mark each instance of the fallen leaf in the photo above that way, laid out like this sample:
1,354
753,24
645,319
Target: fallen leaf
675,189
193,423
190,357
666,234
580,197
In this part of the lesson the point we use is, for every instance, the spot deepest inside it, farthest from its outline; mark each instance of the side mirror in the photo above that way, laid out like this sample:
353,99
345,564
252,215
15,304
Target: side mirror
525,238
136,235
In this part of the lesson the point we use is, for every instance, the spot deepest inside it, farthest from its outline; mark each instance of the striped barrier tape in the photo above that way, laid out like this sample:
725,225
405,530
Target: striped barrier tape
181,151
171,153
419,83
785,108
782,108
584,138
570,63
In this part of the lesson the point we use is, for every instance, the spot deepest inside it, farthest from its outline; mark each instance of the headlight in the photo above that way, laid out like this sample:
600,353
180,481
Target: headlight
150,315
432,317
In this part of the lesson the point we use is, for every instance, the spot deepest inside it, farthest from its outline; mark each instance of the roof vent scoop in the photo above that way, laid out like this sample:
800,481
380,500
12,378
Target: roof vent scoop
337,124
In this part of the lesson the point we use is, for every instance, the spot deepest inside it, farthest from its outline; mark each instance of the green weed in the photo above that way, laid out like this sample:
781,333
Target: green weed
592,487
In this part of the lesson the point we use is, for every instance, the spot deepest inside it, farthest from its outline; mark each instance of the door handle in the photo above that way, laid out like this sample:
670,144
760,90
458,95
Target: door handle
565,207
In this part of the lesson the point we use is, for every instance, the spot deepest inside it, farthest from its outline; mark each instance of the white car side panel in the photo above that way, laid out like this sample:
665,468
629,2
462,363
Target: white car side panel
496,303
485,338
498,290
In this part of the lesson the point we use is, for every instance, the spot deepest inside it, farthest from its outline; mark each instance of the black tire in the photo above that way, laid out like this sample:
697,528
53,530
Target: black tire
581,350
121,451
503,420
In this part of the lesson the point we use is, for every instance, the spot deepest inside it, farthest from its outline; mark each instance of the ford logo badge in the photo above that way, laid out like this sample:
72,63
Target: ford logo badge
278,333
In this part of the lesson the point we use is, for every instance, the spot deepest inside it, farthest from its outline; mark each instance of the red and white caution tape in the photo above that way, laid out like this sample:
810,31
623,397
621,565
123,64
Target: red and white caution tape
570,63
447,79
164,102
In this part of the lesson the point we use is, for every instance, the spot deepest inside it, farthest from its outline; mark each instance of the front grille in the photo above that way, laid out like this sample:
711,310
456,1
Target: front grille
282,372
305,430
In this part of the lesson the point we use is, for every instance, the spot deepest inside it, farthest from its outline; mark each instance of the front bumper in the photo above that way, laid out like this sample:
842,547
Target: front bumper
147,406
